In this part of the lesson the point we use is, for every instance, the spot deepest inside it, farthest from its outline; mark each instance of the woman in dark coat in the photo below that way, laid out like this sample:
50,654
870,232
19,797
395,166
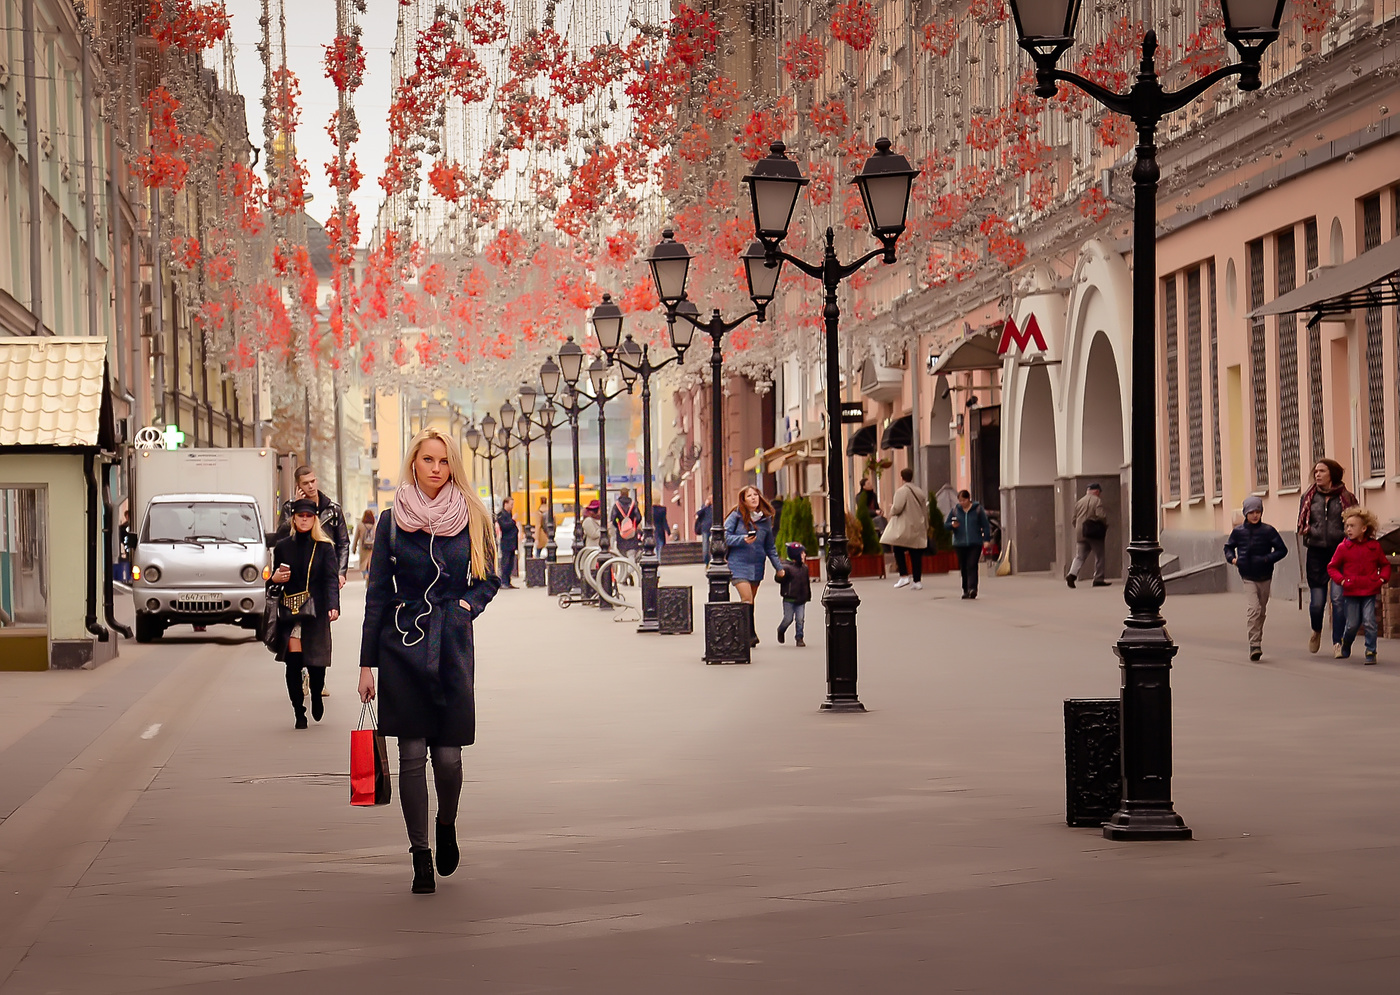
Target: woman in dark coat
307,575
1320,525
434,573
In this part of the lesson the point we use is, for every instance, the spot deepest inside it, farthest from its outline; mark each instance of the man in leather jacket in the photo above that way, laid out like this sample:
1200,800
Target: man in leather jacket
332,519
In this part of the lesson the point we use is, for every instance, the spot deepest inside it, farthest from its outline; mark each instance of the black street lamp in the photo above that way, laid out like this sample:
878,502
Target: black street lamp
549,380
635,362
571,369
1145,650
727,625
884,182
475,436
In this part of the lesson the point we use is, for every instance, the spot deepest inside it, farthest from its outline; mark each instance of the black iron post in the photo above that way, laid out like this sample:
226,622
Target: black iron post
551,549
650,562
1145,648
573,409
726,631
839,598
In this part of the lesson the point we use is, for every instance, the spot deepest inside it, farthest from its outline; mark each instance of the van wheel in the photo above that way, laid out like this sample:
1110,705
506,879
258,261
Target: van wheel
148,628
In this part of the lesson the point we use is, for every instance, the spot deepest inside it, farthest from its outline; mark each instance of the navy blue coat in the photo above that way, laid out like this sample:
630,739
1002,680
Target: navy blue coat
969,528
746,558
418,633
1254,549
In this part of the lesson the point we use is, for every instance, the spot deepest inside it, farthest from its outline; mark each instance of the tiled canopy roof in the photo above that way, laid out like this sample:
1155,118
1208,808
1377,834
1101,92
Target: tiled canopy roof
51,391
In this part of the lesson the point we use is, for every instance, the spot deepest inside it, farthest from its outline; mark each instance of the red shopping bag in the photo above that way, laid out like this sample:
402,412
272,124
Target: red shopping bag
369,764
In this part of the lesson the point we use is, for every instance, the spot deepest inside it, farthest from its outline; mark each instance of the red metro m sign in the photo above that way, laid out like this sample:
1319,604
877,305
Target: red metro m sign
1021,339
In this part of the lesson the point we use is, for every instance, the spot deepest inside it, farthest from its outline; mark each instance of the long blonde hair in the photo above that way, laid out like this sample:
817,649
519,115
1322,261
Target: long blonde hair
481,528
318,531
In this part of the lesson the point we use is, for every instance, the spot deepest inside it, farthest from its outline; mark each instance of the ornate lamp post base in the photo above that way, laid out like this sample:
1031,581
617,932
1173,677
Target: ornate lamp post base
651,582
840,601
559,578
1146,811
535,572
727,632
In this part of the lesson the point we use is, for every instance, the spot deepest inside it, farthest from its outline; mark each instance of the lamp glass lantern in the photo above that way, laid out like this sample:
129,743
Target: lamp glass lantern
548,414
1041,21
528,397
507,416
885,182
670,267
763,279
488,427
773,188
682,332
1252,16
571,361
629,355
607,324
473,436
549,378
598,375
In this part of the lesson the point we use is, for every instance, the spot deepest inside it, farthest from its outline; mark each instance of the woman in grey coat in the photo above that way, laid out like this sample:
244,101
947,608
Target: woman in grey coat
434,573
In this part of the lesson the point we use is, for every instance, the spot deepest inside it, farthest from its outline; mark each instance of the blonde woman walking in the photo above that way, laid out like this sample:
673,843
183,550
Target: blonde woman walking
434,572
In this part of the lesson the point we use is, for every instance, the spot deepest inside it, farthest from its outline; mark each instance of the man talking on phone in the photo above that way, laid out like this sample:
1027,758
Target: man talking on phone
332,519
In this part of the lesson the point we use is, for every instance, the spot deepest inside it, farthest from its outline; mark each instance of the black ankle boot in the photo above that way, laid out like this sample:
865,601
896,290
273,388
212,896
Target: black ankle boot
448,855
423,883
301,718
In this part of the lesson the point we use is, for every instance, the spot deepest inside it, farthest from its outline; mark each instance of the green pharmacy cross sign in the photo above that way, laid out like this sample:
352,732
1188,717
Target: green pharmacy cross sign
172,437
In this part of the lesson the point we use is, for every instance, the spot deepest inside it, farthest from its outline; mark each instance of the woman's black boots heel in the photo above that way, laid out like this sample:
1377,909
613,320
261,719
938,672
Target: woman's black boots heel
448,855
294,690
423,883
753,629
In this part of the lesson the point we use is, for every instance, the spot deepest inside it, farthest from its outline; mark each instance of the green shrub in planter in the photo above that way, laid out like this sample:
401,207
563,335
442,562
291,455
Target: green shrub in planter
869,538
940,539
798,525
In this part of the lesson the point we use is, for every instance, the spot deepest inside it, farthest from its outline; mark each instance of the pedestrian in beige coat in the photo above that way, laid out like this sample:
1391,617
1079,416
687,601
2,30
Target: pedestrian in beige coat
907,530
1090,528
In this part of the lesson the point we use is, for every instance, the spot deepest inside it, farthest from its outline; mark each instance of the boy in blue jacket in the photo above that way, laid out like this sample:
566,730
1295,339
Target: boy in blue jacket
1254,548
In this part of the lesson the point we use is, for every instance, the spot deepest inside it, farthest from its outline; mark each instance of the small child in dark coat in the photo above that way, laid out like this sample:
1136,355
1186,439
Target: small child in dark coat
795,586
1254,548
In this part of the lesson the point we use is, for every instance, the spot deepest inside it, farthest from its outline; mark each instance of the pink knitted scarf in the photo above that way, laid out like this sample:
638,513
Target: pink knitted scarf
444,515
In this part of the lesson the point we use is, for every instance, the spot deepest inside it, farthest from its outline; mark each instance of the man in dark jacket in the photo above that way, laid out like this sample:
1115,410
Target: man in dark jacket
704,521
508,529
660,526
795,586
332,519
970,528
1254,548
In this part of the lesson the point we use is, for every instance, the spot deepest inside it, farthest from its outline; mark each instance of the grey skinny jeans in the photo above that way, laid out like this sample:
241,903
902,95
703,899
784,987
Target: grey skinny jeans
413,786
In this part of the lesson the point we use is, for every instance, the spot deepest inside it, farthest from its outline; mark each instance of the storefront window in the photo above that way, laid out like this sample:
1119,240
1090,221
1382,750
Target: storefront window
24,580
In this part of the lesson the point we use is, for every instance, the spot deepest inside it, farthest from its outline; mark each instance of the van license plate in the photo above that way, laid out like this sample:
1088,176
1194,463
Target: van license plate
203,599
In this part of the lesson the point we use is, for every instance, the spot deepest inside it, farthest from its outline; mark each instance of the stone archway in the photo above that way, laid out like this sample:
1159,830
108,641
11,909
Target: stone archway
1101,425
1101,450
937,455
1032,498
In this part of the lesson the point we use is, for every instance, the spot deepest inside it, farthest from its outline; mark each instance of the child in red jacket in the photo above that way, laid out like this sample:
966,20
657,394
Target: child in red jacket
1360,568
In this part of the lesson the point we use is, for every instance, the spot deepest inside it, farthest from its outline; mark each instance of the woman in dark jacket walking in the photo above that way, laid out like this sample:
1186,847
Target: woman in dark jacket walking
433,575
1321,528
307,579
748,534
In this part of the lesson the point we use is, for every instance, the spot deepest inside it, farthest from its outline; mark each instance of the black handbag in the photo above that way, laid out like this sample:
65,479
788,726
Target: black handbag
272,609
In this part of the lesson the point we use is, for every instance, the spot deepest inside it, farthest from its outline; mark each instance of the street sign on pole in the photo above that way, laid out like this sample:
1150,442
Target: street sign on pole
852,412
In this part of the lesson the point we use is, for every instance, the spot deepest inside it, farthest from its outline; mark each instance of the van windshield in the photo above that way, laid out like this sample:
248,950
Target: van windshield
208,521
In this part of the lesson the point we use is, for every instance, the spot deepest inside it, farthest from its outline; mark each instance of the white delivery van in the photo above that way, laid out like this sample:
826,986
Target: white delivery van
202,522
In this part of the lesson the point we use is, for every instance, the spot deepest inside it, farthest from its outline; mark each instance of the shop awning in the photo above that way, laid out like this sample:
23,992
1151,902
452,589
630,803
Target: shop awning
861,442
976,352
899,435
1372,279
805,449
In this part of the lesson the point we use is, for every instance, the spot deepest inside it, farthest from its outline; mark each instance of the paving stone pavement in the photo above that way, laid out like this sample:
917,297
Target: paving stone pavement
635,821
